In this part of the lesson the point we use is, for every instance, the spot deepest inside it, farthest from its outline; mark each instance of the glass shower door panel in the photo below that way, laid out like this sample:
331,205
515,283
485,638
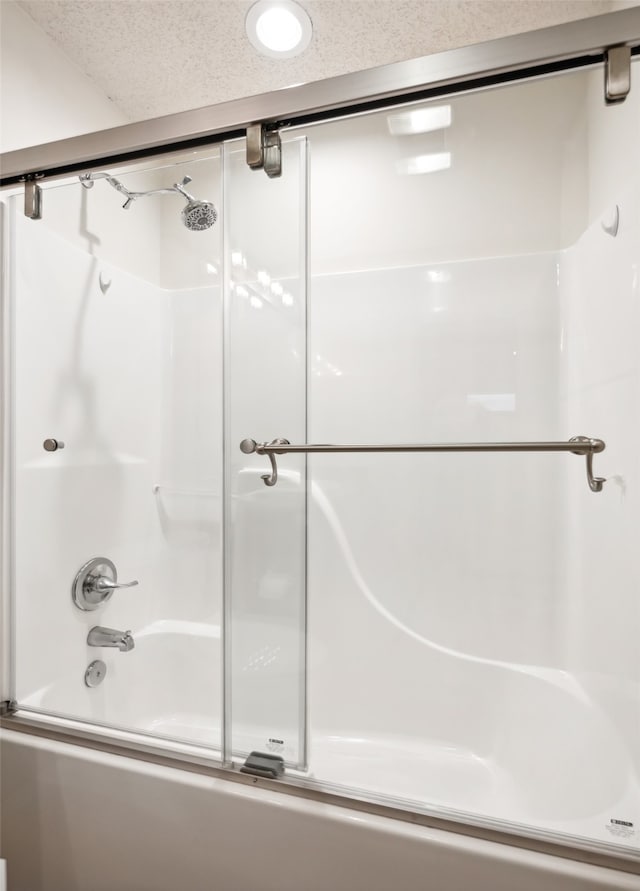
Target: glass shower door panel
118,340
481,611
265,394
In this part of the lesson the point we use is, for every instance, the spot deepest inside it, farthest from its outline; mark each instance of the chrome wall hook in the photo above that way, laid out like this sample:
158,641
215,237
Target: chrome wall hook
595,445
270,479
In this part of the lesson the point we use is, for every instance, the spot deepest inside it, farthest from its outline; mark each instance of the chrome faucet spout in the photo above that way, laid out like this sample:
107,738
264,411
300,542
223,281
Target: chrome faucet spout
110,637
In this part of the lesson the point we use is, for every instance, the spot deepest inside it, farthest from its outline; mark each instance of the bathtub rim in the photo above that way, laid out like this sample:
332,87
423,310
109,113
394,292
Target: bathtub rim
591,852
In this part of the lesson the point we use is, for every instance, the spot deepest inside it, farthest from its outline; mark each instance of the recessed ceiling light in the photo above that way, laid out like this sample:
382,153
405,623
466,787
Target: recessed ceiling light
278,28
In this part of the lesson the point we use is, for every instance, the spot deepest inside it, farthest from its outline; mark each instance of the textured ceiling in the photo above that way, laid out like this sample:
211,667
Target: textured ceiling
155,57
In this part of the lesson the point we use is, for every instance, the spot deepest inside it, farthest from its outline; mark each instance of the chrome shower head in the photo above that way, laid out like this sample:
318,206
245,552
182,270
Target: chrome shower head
199,215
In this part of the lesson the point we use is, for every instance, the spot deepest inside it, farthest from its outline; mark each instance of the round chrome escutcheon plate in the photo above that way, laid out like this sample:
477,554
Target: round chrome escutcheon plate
85,593
95,673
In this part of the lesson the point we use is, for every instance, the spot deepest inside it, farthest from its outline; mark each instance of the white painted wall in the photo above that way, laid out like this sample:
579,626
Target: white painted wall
44,96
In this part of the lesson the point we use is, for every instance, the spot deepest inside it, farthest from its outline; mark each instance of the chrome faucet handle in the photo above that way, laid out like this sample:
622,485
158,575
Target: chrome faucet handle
95,582
103,583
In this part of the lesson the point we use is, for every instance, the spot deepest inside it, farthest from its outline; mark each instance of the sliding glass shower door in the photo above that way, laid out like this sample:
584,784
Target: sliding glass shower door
474,616
117,564
265,392
126,527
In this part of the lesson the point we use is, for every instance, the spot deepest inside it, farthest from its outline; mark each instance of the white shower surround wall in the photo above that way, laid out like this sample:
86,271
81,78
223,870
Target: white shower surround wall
111,385
449,717
145,693
459,687
482,691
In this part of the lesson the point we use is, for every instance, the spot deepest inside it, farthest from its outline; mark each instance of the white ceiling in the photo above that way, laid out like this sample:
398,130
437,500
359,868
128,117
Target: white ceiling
156,57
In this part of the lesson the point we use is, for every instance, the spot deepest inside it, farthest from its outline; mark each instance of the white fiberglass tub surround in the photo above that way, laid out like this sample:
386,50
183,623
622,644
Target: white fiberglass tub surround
529,724
141,690
498,763
454,633
461,610
477,612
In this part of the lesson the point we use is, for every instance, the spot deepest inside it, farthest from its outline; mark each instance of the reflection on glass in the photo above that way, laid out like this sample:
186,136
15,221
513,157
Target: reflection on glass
419,120
430,163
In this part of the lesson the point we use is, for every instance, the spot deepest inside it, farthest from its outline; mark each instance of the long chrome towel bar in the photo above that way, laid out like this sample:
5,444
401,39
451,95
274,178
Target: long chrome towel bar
578,445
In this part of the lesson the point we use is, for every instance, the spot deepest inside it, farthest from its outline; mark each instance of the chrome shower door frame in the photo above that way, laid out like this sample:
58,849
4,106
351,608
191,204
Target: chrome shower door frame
575,45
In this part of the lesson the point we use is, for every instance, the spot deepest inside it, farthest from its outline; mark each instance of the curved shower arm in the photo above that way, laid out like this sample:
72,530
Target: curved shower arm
87,180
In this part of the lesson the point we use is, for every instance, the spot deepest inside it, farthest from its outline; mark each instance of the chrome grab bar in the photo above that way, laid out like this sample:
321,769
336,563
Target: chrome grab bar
578,445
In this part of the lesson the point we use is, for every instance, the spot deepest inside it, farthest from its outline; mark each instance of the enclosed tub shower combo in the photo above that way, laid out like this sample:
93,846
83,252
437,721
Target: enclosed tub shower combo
322,423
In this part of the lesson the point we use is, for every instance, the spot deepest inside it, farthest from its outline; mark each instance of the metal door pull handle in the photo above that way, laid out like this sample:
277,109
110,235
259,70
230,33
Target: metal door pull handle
579,445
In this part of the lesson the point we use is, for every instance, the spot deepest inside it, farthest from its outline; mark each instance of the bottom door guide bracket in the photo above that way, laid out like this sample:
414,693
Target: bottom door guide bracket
261,764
